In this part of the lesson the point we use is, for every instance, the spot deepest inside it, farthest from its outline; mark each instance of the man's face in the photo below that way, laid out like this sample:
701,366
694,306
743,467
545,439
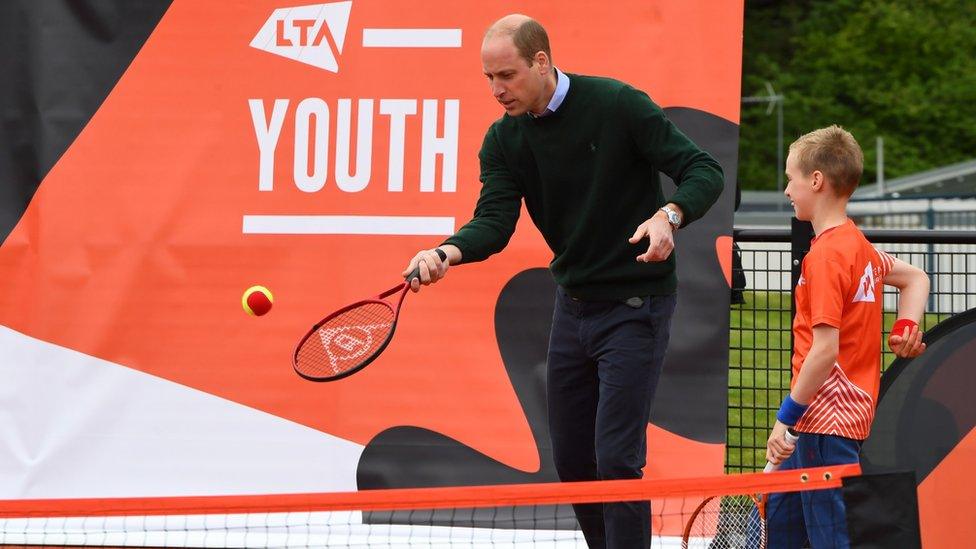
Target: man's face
518,86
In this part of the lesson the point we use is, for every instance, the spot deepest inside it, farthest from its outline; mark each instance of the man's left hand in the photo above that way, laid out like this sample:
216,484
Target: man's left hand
661,236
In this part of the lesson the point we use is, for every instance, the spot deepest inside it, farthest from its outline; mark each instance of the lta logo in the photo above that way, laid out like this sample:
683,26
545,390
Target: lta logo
313,35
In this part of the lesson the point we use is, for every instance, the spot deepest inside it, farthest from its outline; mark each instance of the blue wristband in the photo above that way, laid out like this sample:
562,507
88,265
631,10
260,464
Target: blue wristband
790,412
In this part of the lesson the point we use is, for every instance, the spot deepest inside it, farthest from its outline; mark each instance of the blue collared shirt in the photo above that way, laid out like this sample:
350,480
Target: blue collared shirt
562,88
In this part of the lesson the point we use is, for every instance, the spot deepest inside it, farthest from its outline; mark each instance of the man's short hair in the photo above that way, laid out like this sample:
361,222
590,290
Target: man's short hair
530,38
833,151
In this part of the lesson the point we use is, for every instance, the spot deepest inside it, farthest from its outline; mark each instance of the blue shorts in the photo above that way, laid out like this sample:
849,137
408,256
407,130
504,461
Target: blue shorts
813,518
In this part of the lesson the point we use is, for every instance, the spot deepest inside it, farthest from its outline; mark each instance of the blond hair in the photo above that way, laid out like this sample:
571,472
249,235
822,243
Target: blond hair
835,153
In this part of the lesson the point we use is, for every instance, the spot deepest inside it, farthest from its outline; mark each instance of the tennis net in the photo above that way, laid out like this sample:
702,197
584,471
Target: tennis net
715,512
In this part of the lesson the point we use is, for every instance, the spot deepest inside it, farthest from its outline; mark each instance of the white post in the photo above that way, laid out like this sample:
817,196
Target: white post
881,181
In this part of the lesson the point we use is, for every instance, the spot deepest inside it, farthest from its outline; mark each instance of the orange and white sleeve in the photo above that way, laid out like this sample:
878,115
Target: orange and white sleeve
887,262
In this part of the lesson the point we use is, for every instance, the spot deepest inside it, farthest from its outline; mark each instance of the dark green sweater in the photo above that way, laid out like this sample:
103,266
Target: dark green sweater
589,176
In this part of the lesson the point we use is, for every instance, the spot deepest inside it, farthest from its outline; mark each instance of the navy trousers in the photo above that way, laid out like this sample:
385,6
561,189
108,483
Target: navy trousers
817,518
604,363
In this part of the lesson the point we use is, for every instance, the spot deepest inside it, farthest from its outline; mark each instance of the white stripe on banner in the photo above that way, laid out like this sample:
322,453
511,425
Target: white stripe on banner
76,426
348,224
411,38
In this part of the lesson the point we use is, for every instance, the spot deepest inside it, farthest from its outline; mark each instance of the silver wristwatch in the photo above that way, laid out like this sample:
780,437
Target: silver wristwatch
673,218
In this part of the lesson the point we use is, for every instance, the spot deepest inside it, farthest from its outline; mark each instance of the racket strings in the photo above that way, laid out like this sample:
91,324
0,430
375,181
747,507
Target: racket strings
729,522
346,341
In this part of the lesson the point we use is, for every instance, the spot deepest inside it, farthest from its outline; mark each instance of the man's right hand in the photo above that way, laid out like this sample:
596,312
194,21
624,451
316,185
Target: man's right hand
432,268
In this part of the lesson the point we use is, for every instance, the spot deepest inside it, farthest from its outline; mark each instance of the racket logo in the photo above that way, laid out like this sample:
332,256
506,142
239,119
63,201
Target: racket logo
348,343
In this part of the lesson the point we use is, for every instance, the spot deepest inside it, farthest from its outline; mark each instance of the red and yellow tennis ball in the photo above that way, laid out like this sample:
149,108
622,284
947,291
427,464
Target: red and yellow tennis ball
257,300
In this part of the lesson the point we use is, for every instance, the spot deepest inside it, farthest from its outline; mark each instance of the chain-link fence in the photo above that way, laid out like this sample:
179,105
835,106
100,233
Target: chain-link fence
760,337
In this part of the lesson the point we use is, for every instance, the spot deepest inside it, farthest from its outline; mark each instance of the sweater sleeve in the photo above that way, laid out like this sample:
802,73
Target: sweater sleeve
698,176
497,210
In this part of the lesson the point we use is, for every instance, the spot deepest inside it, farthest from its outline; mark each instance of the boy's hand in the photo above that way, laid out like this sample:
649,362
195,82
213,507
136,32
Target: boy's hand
908,343
777,448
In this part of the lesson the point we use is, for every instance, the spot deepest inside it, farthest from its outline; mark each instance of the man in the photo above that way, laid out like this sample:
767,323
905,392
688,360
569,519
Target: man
584,154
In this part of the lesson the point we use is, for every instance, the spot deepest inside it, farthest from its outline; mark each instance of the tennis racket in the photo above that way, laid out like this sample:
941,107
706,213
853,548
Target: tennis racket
731,522
349,339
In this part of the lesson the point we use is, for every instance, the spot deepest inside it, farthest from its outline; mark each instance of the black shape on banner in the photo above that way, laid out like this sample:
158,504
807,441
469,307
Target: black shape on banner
60,60
696,368
926,404
403,457
882,511
410,456
693,392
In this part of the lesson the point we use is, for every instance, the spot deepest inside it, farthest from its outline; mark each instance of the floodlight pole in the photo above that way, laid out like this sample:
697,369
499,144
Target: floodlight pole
779,141
880,167
774,100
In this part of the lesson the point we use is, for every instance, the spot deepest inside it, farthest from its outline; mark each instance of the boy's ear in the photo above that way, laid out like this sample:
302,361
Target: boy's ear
817,180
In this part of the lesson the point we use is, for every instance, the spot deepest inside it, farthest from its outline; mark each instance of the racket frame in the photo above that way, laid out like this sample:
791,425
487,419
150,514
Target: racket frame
379,299
759,501
790,436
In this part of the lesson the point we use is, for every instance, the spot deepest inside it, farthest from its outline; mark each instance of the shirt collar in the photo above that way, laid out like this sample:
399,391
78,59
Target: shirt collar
847,223
562,88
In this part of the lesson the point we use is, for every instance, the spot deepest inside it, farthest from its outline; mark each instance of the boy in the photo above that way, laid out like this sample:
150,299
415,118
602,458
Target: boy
837,352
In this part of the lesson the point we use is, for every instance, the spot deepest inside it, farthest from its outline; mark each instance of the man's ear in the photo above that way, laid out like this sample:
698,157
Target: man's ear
542,60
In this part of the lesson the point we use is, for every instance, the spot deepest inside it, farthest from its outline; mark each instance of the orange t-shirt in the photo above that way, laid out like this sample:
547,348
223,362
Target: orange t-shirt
841,286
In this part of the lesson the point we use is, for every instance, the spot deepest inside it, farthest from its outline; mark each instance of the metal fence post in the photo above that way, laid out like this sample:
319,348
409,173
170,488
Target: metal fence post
930,257
801,233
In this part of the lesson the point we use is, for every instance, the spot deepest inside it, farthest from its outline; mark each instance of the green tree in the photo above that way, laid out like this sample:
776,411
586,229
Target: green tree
899,69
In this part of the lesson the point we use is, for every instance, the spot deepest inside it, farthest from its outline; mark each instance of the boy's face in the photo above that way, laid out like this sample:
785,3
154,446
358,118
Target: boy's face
802,190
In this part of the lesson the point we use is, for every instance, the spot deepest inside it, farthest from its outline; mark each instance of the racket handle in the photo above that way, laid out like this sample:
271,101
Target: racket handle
789,436
416,272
